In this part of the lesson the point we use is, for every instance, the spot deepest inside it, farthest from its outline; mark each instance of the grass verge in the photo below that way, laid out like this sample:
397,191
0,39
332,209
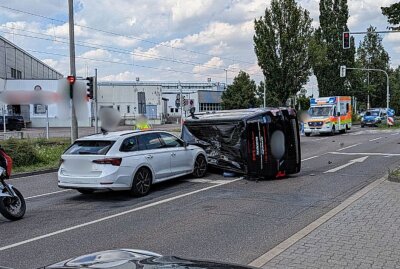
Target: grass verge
394,175
31,155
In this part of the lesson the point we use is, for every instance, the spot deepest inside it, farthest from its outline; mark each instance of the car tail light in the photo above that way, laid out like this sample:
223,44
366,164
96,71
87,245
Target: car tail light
112,161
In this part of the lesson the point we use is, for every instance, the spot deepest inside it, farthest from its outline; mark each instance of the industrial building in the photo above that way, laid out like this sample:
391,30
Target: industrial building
17,64
159,101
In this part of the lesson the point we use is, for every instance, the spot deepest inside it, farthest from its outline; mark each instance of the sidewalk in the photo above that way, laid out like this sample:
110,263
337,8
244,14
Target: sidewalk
366,234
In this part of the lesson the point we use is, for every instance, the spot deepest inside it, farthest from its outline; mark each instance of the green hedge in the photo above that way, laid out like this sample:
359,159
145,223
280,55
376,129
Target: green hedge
34,154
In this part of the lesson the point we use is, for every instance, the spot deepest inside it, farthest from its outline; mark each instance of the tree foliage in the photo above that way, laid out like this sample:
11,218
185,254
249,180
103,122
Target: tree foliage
395,89
272,99
372,55
241,93
281,43
392,13
327,54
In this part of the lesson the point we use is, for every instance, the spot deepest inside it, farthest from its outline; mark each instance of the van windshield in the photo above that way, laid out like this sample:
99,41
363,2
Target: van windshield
320,111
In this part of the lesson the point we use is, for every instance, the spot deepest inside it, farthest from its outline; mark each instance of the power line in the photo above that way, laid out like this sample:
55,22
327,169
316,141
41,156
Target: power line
129,64
109,48
127,36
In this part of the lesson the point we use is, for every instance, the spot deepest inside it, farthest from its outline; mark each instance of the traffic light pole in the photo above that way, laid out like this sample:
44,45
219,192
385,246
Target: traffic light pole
74,121
387,81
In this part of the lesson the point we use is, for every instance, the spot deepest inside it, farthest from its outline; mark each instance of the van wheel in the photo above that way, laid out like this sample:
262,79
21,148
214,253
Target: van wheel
307,134
333,130
200,167
141,183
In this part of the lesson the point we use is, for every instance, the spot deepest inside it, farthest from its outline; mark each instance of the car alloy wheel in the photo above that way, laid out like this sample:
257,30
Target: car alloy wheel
200,167
142,182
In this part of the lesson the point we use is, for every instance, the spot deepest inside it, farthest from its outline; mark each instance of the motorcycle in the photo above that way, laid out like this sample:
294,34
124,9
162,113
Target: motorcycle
12,203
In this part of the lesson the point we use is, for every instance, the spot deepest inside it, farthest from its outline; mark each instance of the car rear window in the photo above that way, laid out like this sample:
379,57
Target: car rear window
94,147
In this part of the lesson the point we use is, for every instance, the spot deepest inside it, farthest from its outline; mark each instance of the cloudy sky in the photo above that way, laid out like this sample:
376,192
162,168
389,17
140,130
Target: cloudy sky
163,40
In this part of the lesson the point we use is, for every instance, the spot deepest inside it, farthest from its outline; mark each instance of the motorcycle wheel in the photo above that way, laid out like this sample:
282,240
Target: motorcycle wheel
13,208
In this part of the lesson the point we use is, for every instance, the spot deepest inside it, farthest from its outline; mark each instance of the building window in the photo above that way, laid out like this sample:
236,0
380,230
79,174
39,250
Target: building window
39,109
172,110
128,109
118,108
209,107
176,110
13,73
142,102
16,73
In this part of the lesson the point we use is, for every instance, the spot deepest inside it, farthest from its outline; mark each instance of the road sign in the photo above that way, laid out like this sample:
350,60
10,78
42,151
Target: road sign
342,71
390,121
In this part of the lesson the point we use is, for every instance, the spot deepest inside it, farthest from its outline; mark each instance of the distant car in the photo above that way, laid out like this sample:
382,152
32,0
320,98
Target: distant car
133,259
12,123
373,117
128,160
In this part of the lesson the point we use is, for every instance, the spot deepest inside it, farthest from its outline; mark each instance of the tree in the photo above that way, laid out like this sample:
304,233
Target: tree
392,13
241,93
272,100
395,89
327,54
372,55
281,44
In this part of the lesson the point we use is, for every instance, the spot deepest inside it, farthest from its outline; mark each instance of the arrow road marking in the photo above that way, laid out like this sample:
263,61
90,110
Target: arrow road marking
359,160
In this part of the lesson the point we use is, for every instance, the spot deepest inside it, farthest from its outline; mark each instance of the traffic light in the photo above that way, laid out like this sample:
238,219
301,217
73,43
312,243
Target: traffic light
89,89
71,80
346,40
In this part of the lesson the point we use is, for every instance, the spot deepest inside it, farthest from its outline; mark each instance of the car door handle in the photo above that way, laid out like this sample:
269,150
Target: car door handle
149,156
173,154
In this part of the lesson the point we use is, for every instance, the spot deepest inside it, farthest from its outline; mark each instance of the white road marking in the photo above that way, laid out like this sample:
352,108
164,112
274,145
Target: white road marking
352,146
375,139
45,194
395,134
113,216
203,180
365,153
319,139
359,160
268,256
313,157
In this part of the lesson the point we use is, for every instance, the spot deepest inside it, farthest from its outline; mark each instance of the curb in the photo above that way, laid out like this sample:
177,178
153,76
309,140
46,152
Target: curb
35,173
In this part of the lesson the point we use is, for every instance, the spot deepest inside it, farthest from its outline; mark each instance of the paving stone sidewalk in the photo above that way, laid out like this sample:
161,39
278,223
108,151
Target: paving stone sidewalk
364,235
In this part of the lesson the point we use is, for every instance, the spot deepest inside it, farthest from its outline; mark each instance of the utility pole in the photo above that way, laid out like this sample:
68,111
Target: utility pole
181,103
226,78
74,121
95,96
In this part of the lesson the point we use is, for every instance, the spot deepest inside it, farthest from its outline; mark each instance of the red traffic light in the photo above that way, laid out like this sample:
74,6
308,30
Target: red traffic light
71,79
346,35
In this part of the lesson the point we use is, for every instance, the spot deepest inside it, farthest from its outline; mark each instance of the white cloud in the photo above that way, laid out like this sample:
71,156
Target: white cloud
183,9
214,62
96,54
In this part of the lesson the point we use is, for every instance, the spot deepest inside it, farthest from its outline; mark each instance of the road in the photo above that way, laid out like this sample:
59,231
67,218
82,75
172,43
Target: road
225,219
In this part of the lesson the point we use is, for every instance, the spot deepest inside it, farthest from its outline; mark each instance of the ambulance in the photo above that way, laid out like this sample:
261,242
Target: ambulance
328,115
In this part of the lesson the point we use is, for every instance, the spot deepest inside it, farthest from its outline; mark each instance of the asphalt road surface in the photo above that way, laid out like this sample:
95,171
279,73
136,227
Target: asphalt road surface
217,218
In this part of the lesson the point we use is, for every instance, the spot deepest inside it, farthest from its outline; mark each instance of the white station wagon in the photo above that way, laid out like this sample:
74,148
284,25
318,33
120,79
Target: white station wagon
128,160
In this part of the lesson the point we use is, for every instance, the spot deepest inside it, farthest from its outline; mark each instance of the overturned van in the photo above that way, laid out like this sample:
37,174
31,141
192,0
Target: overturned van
260,143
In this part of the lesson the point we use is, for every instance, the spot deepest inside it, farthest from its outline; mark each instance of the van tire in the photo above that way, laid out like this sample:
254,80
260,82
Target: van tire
333,130
307,134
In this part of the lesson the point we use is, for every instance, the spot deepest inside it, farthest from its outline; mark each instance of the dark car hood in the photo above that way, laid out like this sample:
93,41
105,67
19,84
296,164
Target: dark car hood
135,259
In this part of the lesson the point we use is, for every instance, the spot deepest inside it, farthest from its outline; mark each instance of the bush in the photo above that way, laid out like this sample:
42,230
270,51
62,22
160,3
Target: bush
34,154
21,151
